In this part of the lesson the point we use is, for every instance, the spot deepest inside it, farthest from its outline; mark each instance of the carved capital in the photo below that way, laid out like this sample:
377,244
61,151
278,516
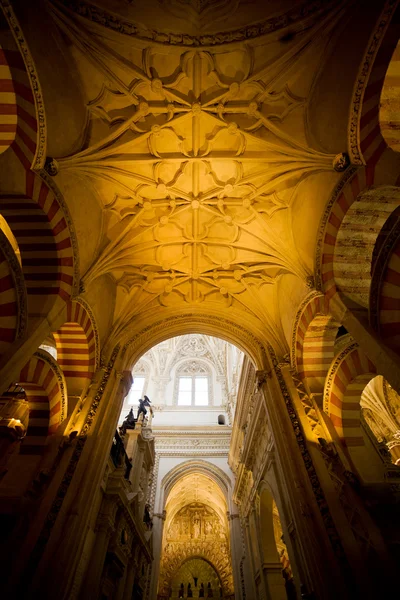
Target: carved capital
261,378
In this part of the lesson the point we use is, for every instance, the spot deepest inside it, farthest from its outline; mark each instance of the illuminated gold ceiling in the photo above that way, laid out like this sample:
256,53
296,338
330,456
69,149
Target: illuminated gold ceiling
198,157
195,488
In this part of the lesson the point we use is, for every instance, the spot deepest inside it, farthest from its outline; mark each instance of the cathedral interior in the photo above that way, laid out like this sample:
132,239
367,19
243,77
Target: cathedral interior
199,299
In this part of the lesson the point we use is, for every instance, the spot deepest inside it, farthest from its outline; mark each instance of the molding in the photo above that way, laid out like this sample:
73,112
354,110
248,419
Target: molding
250,344
201,466
363,80
111,21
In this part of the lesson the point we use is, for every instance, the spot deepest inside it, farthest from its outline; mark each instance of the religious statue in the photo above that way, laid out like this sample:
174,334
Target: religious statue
146,517
196,528
201,591
208,528
142,407
189,591
128,423
181,591
209,590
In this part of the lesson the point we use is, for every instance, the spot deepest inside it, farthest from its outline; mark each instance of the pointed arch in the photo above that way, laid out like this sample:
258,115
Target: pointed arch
77,343
365,137
32,205
347,377
18,118
313,344
13,307
45,389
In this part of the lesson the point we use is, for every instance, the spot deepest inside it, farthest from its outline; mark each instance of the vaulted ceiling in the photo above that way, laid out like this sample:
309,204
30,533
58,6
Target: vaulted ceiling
198,152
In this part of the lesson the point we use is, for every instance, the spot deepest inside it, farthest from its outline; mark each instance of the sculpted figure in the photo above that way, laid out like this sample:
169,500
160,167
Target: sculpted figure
142,407
128,423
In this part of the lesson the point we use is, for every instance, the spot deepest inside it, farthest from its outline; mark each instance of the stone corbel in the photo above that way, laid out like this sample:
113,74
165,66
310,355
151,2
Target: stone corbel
261,378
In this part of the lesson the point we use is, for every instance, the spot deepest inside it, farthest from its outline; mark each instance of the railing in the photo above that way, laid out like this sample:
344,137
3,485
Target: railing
119,456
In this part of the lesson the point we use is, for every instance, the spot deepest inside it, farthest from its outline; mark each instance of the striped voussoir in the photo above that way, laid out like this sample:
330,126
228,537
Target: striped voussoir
348,195
389,302
346,380
39,226
76,348
371,141
18,123
43,391
9,299
356,241
315,340
390,103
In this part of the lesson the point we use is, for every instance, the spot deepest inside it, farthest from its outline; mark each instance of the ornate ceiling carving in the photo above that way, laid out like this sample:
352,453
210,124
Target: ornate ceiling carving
191,155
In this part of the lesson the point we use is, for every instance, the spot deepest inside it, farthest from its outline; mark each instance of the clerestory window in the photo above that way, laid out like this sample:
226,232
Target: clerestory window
193,385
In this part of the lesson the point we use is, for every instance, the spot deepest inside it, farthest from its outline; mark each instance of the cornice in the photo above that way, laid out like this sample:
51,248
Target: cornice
116,24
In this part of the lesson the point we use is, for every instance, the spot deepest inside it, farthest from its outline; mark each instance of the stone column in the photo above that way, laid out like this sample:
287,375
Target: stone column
318,566
335,494
96,425
92,580
237,553
158,528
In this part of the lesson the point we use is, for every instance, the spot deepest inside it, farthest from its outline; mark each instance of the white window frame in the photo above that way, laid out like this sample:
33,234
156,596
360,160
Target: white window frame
187,369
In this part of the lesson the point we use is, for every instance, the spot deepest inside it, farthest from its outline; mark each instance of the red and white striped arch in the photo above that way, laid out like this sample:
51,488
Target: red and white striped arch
32,207
314,334
366,145
13,305
346,380
366,142
18,122
40,227
77,346
389,302
45,389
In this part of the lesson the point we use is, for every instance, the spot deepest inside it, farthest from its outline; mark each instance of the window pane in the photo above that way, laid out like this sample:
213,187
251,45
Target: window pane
185,384
201,391
184,398
136,389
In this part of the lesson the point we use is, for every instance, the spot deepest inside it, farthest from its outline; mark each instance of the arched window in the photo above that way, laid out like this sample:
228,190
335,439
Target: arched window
140,380
193,385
